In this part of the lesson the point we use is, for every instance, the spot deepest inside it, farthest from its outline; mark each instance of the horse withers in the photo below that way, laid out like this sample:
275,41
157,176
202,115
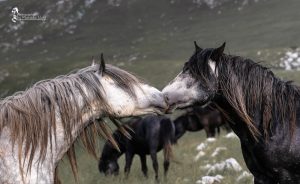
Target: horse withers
262,110
149,135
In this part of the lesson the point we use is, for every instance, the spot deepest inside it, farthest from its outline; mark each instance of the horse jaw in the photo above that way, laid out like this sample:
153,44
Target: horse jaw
148,99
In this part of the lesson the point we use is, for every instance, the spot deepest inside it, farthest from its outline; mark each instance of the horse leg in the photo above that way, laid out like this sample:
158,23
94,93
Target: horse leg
154,162
212,131
128,157
144,165
207,131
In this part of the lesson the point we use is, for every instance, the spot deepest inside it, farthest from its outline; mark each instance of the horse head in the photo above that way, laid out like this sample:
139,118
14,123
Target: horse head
128,96
108,167
197,82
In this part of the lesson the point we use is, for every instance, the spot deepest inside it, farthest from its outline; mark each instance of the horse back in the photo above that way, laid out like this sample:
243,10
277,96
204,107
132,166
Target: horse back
152,131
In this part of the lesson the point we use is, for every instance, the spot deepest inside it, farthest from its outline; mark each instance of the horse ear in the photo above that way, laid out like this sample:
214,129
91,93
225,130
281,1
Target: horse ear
197,48
217,53
93,61
102,64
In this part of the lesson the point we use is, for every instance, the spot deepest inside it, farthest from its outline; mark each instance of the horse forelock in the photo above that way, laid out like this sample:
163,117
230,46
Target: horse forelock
199,67
248,86
31,115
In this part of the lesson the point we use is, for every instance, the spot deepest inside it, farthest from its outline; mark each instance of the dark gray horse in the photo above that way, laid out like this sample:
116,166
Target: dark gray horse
149,135
264,111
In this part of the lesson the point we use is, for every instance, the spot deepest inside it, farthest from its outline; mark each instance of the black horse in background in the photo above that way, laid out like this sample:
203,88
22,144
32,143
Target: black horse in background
262,110
149,135
198,118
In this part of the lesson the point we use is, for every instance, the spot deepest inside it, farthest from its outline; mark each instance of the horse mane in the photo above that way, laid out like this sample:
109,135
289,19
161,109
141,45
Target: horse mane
248,86
109,148
30,116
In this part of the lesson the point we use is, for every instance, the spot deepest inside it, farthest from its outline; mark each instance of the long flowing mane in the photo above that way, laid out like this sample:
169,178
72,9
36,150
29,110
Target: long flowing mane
30,116
248,86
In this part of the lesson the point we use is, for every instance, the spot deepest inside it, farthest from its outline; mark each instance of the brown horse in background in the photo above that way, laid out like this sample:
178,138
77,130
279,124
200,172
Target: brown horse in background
198,118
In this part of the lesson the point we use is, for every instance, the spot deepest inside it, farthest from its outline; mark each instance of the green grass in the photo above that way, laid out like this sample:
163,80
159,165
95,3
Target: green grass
183,170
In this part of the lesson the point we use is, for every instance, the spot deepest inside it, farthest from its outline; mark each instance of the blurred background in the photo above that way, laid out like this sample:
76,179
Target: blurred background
151,38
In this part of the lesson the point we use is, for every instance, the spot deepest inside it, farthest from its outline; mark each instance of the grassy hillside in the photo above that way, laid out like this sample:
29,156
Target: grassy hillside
136,32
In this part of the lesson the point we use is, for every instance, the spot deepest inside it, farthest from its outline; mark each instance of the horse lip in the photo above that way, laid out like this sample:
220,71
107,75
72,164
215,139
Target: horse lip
160,110
170,108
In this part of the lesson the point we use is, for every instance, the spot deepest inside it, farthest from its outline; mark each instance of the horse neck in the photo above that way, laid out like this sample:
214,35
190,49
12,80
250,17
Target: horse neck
62,143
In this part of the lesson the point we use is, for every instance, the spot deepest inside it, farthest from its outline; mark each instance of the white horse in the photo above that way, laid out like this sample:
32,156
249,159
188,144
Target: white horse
38,126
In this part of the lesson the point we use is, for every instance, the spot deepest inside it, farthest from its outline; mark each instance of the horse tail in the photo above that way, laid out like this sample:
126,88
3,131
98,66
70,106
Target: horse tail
168,154
168,132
